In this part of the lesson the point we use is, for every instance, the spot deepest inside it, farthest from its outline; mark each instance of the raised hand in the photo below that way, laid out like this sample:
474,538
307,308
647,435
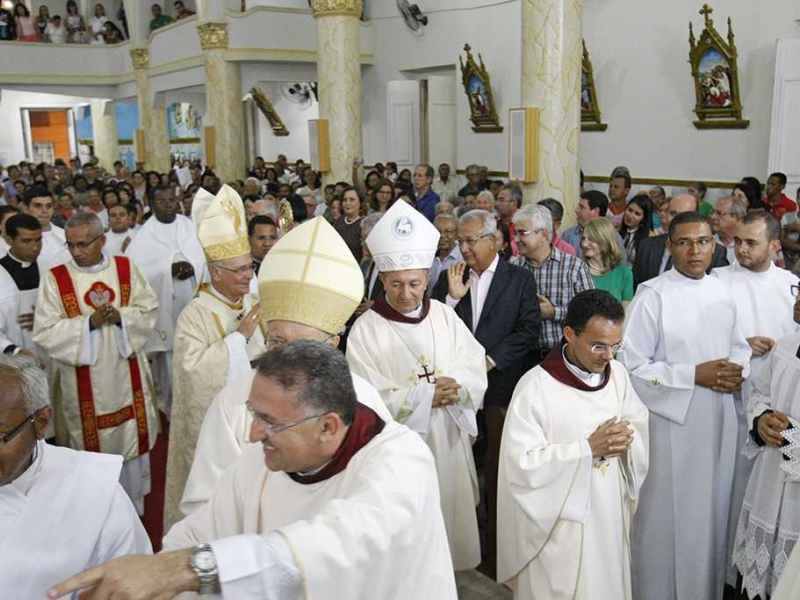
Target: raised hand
456,288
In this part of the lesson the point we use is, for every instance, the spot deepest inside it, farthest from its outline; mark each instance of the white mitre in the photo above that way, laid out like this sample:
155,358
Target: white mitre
221,225
403,239
310,277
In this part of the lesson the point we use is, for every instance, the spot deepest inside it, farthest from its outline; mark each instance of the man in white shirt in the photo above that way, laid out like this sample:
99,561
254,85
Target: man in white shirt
60,510
119,235
38,202
447,252
334,504
445,186
724,217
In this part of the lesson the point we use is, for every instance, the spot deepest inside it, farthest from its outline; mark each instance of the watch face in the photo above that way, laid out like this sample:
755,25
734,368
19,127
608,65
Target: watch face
205,560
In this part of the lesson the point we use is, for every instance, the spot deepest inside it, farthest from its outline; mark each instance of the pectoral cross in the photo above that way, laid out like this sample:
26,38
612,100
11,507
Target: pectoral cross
427,374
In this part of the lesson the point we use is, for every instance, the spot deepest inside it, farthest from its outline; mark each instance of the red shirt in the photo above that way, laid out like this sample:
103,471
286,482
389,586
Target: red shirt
782,206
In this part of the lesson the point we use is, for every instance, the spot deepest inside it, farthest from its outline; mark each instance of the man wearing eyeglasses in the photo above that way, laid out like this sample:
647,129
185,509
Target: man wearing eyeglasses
92,319
168,254
217,335
574,456
751,279
725,216
60,510
687,355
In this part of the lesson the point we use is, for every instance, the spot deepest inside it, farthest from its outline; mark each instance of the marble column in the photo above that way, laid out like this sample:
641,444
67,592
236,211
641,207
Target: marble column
152,120
551,82
104,128
224,102
339,81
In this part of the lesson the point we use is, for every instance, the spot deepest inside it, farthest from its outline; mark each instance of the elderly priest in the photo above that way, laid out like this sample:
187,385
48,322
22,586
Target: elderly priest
427,366
346,506
310,284
60,510
217,334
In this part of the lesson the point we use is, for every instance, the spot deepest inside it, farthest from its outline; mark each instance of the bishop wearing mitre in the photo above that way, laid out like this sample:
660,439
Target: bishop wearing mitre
93,317
427,366
217,334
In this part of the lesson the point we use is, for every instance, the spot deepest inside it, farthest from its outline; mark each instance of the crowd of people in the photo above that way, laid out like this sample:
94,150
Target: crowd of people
334,365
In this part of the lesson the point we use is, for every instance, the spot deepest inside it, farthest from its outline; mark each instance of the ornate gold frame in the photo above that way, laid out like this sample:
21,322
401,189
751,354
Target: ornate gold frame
590,111
718,100
481,102
266,108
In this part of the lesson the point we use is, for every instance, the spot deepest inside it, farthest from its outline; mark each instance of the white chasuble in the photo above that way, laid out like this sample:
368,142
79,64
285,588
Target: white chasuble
402,360
373,530
65,513
765,307
102,384
769,524
679,535
564,518
209,354
225,434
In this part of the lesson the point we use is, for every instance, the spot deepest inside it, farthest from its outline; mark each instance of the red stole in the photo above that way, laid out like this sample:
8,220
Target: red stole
554,364
384,309
365,426
91,423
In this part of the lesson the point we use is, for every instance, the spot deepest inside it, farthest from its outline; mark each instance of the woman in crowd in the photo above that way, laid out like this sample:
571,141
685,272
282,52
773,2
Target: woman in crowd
405,175
698,189
349,226
335,209
748,194
76,28
604,258
382,197
42,21
390,172
112,33
27,30
637,224
97,25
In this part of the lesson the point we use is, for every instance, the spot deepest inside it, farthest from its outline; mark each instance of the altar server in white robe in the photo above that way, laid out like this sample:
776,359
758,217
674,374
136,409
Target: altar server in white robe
217,334
60,510
19,285
93,317
686,356
311,284
168,253
789,583
38,202
573,458
764,303
769,523
346,506
427,366
119,234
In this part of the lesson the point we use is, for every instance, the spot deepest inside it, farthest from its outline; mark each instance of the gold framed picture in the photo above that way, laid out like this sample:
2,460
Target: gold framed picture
590,110
478,89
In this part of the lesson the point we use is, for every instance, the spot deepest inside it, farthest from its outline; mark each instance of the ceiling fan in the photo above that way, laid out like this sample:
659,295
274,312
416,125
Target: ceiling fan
302,93
412,15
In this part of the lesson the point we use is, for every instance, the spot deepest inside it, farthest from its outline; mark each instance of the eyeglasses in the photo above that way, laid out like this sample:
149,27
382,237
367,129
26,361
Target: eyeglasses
240,271
685,243
521,233
448,232
82,245
795,290
471,242
604,349
6,439
270,428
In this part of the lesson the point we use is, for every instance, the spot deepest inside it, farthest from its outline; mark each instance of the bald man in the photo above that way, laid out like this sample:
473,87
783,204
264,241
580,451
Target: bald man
652,256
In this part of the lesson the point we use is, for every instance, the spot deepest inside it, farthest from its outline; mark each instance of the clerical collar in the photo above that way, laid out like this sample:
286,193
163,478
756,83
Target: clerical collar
387,311
235,304
558,367
95,268
587,377
365,426
24,264
24,274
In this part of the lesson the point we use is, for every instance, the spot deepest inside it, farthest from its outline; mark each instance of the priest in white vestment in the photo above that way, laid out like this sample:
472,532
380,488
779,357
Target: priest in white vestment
427,366
38,202
93,317
769,523
573,458
764,303
311,284
334,504
60,510
168,253
217,334
686,356
19,285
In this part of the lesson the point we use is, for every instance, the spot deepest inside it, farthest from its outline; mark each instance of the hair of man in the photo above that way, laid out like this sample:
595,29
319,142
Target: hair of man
32,381
592,303
536,216
21,221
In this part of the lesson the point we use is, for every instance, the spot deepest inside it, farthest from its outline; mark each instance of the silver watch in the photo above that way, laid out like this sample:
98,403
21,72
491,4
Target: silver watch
204,565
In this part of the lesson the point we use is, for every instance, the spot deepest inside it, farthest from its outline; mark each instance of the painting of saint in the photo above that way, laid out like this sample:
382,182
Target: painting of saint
715,80
587,104
477,92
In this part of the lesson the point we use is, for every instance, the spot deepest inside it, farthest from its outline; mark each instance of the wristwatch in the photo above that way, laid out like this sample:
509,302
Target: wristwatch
204,565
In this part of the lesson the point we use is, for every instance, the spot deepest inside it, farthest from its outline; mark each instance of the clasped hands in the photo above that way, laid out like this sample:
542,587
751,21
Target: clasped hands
719,375
182,270
770,426
611,439
105,315
446,392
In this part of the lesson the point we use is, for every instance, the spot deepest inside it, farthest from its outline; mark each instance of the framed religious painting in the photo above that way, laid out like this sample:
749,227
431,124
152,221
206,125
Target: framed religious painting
716,77
478,89
590,110
266,108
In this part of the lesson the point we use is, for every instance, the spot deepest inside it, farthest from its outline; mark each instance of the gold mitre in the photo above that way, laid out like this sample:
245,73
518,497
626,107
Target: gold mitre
221,227
310,277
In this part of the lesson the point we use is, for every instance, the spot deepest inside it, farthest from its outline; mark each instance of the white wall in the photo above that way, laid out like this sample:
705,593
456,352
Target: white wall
296,118
12,145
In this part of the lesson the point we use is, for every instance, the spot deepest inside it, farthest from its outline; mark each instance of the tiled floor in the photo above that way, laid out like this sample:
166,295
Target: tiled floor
473,585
